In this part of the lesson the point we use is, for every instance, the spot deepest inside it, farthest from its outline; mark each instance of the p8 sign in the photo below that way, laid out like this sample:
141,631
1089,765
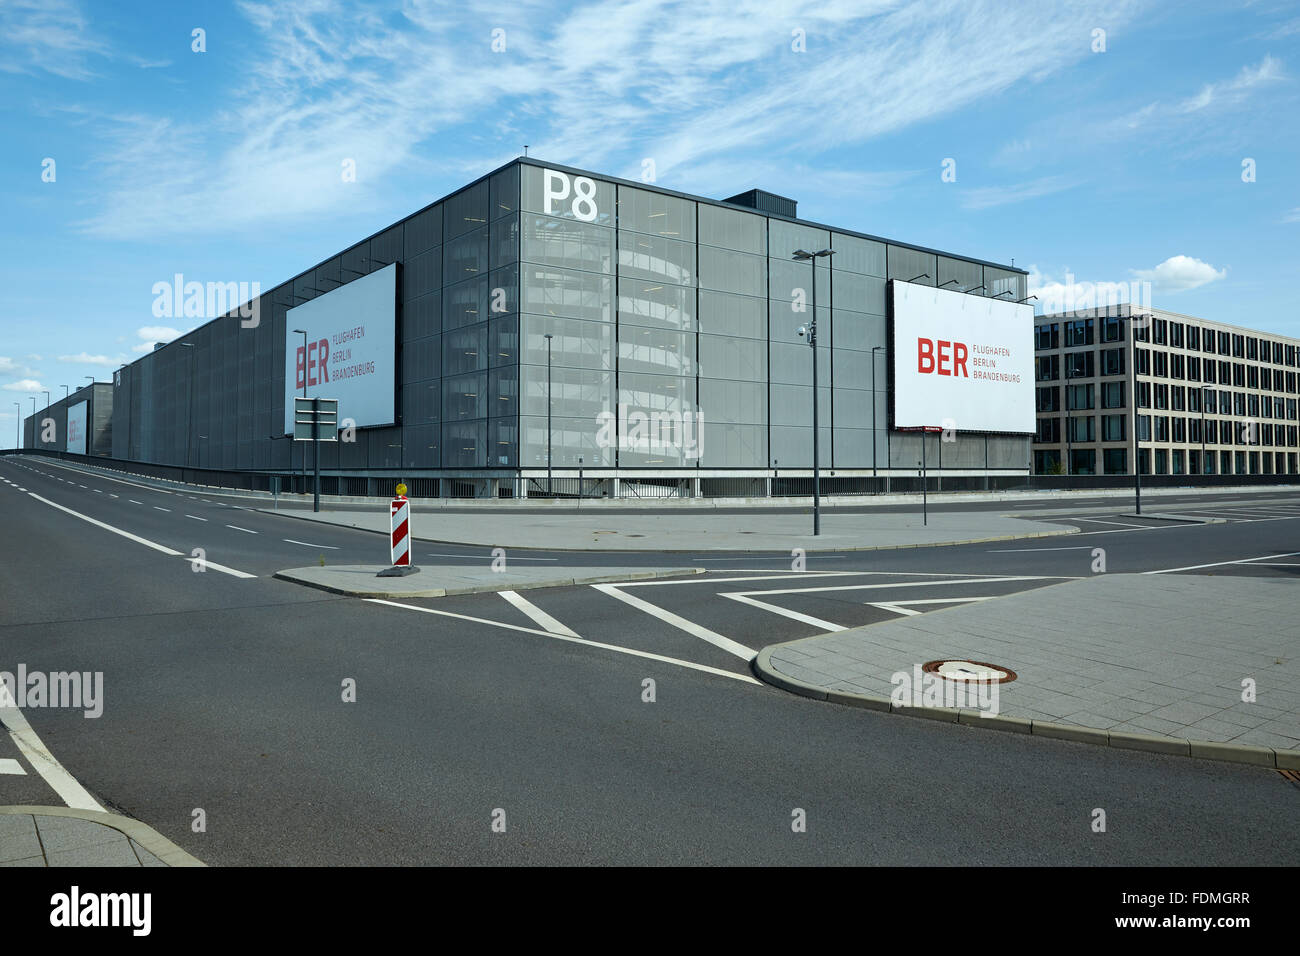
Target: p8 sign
559,187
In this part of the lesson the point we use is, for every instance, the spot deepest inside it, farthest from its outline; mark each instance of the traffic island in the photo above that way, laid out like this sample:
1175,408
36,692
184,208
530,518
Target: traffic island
362,580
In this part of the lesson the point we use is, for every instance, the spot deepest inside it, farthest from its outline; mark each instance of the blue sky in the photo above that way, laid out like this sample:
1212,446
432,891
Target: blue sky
1106,165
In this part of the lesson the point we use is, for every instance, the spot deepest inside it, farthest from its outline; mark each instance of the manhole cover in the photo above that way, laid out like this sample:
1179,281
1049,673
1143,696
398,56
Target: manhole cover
970,672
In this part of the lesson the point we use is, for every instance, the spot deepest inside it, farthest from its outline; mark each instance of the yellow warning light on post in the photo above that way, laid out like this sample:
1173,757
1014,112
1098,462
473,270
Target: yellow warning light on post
401,490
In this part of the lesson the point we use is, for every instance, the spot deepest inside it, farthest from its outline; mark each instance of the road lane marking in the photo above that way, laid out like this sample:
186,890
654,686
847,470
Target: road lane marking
139,540
777,557
906,607
107,527
828,626
51,771
539,617
11,766
98,492
223,569
1219,564
134,502
305,543
690,627
159,508
196,518
1083,547
479,557
744,678
237,528
111,495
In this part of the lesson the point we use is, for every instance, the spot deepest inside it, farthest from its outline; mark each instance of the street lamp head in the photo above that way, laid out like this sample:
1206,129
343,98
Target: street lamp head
1026,299
802,254
802,330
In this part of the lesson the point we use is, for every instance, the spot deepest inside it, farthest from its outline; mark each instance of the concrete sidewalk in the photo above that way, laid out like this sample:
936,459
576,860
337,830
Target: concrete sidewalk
1153,662
693,533
360,580
58,836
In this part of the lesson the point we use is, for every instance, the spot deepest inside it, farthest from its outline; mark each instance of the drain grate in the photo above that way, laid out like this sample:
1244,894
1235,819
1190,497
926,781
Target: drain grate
1292,775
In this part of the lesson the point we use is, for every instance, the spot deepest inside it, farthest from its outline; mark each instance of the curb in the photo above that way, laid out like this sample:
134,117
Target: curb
828,550
141,833
288,575
1204,749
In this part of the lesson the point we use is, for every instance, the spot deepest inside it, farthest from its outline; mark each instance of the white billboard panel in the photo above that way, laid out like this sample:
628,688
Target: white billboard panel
76,441
350,352
961,361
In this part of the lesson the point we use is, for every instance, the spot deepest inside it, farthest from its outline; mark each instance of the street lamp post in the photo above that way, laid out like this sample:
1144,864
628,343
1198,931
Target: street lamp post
18,431
303,333
549,489
874,349
66,393
1133,400
811,330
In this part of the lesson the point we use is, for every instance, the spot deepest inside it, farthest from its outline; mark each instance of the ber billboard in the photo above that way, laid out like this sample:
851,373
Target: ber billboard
350,351
76,439
961,361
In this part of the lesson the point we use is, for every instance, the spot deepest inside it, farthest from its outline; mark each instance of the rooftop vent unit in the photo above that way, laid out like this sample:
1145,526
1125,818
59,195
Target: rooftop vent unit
764,201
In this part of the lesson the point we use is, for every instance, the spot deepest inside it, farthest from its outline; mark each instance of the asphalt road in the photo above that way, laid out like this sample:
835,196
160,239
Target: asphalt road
223,693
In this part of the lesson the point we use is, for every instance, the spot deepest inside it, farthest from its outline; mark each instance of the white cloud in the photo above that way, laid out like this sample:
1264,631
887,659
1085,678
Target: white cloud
328,81
1234,90
9,367
152,334
1180,273
84,358
1292,216
24,385
985,197
49,36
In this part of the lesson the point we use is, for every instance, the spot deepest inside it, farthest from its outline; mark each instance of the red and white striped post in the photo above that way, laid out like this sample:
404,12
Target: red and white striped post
401,532
399,538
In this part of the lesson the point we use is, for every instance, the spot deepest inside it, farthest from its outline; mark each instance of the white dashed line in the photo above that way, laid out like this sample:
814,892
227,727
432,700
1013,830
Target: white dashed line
134,502
160,508
306,544
237,528
196,518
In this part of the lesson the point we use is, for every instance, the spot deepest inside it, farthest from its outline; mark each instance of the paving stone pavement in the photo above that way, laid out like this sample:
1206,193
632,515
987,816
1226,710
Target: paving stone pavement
58,837
1126,653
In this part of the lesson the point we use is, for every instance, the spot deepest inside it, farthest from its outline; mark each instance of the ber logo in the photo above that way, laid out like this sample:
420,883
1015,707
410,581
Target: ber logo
942,357
313,363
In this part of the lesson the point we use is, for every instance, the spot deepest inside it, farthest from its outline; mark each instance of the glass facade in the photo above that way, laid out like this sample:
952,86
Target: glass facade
658,330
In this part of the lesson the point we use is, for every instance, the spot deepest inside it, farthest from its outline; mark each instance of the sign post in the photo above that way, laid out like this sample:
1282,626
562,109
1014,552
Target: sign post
316,420
399,539
925,430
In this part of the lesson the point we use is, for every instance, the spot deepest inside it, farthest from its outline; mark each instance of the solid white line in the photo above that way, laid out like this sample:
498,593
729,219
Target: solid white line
1272,564
237,528
9,765
29,744
539,617
907,612
223,569
308,544
479,557
1219,564
107,527
745,678
816,622
690,627
907,584
196,518
139,540
779,557
1036,550
1118,524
